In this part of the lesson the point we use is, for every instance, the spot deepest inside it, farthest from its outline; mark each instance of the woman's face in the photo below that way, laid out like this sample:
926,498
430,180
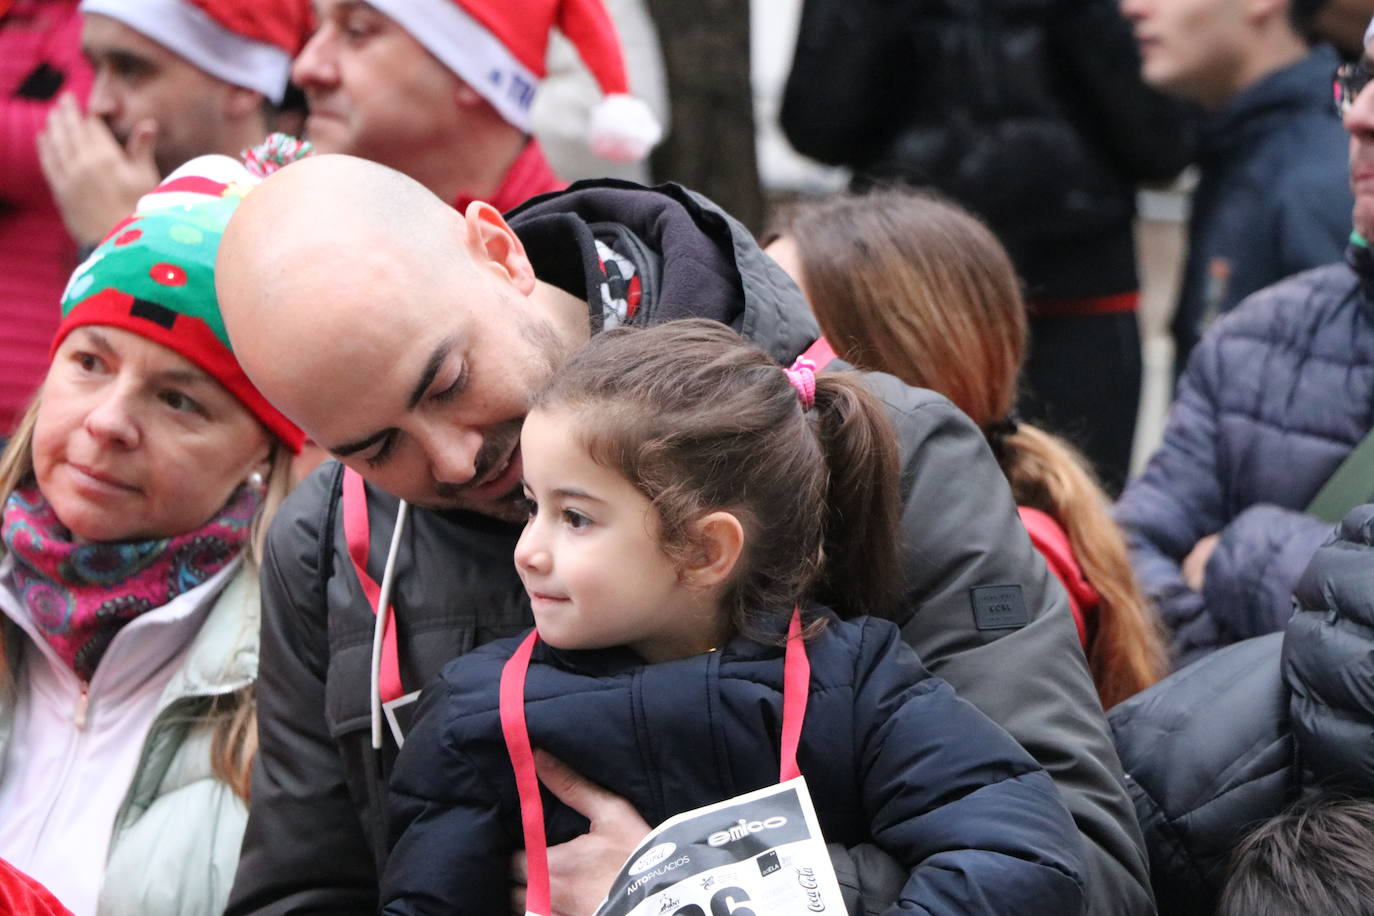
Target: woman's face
133,441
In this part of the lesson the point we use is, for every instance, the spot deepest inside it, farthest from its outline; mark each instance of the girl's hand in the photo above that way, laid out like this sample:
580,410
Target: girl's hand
582,869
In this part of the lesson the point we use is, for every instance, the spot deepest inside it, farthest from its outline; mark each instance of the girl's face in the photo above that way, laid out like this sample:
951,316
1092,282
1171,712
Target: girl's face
134,441
590,557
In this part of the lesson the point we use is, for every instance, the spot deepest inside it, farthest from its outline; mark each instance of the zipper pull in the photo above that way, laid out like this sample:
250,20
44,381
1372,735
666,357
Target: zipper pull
82,704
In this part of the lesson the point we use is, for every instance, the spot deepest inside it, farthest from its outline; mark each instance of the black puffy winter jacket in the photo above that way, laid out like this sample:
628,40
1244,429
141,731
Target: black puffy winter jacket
889,753
1031,113
1230,741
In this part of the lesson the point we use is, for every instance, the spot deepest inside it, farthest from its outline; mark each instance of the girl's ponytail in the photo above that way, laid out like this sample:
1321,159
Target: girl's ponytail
859,549
1127,652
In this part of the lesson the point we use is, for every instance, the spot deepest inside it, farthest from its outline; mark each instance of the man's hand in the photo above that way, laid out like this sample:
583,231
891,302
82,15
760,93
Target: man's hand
1195,564
582,869
94,180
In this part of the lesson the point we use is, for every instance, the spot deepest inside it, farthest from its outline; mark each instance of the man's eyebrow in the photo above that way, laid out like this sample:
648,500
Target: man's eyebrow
349,448
436,359
128,60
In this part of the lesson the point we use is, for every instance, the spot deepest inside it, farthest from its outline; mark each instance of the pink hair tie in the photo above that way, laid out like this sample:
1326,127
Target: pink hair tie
802,375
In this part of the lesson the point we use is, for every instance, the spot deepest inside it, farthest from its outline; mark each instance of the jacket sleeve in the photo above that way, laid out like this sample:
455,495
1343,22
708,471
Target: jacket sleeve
839,100
1179,500
1259,559
304,849
954,798
1151,135
960,532
1328,659
1208,752
449,850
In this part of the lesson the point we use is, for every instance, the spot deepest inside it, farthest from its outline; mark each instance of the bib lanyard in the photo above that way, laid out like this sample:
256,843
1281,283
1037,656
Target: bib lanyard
796,683
386,656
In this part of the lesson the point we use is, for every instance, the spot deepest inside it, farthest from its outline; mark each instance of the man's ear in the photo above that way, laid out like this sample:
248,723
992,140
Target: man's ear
492,242
720,537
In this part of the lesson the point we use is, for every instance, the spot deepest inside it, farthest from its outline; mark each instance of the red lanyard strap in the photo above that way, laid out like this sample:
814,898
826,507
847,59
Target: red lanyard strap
821,353
796,683
517,735
357,534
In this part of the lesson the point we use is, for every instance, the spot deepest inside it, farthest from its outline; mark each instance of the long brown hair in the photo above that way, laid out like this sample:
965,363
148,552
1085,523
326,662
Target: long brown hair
699,420
912,285
233,717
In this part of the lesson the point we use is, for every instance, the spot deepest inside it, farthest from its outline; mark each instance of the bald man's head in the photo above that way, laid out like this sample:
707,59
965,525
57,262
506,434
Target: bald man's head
401,335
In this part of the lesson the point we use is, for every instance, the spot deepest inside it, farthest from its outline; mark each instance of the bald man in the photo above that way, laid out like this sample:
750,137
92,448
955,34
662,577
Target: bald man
408,339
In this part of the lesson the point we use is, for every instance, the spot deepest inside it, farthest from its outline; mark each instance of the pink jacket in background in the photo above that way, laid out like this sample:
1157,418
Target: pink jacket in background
40,56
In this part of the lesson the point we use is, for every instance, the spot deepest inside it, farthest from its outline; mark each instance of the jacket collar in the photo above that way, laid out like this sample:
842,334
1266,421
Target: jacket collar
1361,260
708,264
223,655
224,652
1275,98
772,637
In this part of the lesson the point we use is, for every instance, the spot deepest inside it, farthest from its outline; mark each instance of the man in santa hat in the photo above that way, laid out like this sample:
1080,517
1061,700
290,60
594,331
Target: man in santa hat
441,90
174,79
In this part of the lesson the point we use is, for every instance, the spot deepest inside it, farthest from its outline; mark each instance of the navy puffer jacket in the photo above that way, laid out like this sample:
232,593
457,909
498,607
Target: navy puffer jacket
1228,742
1275,397
890,754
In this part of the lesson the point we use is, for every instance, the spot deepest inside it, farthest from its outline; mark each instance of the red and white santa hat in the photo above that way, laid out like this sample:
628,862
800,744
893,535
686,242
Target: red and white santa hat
498,47
249,43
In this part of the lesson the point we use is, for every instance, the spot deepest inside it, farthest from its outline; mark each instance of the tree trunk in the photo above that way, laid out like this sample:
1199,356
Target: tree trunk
710,144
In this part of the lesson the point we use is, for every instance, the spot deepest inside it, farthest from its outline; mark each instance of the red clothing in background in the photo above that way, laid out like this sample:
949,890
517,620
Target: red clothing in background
20,895
40,56
528,176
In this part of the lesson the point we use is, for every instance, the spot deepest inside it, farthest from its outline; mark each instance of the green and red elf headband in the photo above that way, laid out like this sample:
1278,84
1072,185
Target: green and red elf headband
154,275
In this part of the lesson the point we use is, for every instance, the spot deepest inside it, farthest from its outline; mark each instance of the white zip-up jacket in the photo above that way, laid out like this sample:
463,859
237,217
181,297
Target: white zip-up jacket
107,793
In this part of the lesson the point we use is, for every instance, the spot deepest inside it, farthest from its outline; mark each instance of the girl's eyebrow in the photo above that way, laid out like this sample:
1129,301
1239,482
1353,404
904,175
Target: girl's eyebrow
577,494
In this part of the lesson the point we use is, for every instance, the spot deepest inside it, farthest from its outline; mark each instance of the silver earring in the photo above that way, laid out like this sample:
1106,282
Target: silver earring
255,480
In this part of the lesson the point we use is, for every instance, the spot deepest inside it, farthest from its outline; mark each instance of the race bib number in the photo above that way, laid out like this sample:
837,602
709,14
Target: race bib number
758,854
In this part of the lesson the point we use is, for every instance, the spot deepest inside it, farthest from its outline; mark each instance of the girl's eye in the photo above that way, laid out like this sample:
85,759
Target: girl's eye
531,507
575,520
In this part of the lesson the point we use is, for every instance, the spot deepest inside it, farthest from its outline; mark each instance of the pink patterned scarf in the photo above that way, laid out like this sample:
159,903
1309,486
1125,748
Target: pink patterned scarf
80,595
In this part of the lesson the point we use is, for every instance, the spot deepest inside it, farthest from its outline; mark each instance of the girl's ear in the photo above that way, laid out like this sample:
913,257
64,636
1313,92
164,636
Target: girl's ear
720,537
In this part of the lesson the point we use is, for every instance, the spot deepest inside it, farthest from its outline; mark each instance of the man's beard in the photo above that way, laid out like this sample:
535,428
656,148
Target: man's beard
498,445
500,441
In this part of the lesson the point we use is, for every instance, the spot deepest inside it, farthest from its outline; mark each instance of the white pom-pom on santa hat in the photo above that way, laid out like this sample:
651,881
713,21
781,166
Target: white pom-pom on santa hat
623,128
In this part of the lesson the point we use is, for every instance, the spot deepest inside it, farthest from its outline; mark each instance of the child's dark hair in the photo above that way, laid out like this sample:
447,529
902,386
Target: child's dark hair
700,420
1315,859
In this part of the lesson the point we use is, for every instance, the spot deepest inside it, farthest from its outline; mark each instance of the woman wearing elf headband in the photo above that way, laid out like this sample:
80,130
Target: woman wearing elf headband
135,494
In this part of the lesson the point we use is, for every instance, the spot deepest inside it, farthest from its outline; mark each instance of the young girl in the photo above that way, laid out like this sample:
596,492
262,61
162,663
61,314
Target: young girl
686,494
912,285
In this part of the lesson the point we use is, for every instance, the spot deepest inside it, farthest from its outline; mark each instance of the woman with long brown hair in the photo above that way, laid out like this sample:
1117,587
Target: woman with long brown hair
912,285
136,492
